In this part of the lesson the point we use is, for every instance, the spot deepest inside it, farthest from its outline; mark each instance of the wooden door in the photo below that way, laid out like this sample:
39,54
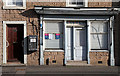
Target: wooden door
76,43
69,43
14,43
80,44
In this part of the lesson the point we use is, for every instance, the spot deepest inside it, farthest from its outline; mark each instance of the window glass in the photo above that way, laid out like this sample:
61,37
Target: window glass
19,2
99,41
54,35
76,2
99,35
11,2
15,2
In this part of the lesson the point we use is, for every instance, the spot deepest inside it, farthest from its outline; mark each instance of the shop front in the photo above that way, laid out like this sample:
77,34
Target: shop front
70,36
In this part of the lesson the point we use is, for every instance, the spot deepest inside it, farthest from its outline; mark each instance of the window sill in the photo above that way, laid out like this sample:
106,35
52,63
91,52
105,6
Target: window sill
99,50
75,5
13,7
54,50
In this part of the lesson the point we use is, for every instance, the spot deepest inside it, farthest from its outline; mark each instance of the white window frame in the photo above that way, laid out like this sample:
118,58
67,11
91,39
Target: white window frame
6,6
44,48
98,50
85,4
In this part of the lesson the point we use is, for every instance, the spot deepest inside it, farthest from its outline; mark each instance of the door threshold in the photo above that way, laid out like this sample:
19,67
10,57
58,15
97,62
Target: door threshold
77,63
13,64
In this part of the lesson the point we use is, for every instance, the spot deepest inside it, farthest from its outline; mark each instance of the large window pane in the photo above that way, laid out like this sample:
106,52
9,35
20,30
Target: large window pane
53,28
99,27
99,35
99,41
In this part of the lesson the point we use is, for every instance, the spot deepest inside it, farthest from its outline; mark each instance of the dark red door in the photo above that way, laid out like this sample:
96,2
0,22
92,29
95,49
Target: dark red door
14,43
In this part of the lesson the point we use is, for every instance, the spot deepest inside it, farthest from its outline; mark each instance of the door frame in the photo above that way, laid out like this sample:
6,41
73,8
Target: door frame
74,35
4,39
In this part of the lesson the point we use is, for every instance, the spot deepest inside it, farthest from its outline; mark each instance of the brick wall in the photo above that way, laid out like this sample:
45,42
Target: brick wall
99,58
32,19
53,58
97,3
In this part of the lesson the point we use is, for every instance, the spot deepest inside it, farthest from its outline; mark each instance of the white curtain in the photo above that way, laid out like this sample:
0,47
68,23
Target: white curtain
53,28
99,35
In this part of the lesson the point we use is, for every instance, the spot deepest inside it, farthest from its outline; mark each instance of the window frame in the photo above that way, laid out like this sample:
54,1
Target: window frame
44,40
6,6
85,4
91,33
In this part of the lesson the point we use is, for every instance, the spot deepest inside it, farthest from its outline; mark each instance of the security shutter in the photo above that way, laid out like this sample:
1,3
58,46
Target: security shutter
99,35
54,28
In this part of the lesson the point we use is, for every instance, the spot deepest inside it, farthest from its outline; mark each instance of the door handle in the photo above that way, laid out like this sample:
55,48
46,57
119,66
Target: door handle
7,43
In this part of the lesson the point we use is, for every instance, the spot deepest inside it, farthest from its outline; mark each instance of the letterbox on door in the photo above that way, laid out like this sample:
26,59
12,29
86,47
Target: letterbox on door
32,42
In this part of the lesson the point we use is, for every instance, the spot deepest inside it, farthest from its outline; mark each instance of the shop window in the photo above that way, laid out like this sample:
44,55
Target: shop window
53,35
99,35
14,4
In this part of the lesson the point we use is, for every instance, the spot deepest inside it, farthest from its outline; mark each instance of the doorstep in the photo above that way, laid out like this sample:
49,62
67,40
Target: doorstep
14,64
77,63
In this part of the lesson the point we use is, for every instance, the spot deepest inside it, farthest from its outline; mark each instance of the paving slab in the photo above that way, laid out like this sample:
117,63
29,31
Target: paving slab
57,70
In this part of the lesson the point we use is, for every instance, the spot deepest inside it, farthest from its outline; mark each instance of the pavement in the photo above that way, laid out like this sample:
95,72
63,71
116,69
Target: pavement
61,70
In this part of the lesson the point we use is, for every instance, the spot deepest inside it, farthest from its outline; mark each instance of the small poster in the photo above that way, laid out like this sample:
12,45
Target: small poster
50,36
46,36
57,36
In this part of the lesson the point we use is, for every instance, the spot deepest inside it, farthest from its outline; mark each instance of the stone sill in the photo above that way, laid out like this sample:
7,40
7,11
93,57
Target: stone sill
54,50
99,51
13,7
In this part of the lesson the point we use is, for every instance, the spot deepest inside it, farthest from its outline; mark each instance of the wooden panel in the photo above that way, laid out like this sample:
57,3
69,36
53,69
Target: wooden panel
80,44
14,38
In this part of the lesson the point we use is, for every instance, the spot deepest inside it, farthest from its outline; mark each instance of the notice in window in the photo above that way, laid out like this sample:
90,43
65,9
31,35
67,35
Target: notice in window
50,36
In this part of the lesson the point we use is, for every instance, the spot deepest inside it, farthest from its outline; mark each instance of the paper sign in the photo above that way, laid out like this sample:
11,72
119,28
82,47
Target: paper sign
46,36
50,36
57,36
